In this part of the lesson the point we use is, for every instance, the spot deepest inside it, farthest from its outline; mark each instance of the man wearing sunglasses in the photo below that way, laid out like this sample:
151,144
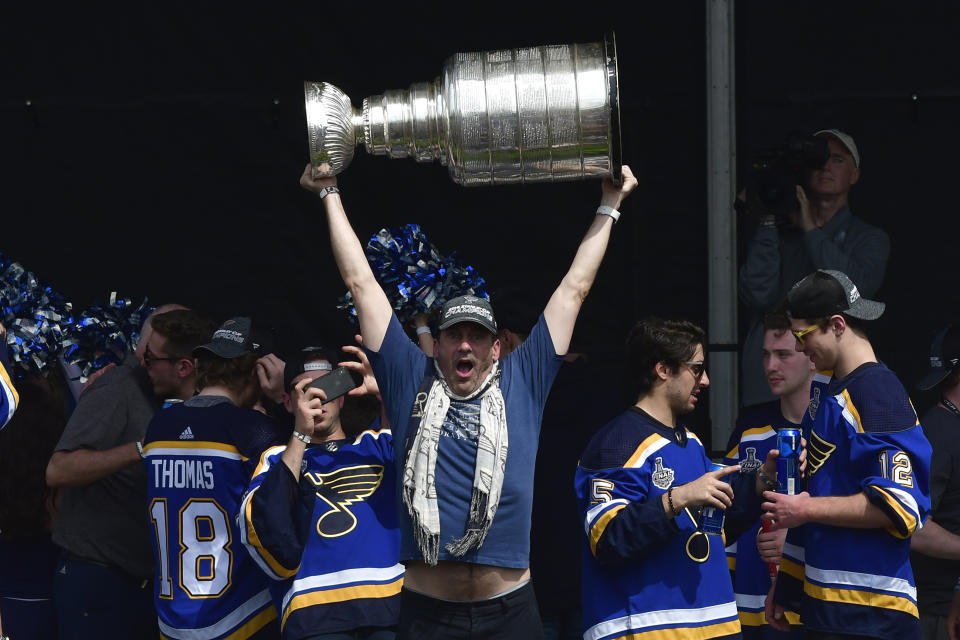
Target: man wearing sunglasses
102,585
848,566
641,484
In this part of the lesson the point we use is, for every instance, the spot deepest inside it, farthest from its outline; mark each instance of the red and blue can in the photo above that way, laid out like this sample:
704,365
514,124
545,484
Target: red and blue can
788,462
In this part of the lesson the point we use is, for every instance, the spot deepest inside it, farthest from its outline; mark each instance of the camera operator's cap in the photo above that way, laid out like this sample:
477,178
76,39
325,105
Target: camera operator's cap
468,309
845,139
944,357
825,293
307,359
233,339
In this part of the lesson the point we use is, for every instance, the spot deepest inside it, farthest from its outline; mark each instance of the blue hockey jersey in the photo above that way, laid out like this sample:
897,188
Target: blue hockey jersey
644,571
862,436
330,541
754,436
199,457
8,393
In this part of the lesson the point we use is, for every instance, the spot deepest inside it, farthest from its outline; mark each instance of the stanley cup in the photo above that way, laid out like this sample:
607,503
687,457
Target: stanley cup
535,114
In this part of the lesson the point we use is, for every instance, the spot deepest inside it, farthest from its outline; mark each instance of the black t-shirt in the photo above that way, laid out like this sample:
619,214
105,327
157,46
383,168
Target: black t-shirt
935,577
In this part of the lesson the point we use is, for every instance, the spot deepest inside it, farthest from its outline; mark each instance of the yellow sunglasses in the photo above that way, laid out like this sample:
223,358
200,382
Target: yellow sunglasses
800,335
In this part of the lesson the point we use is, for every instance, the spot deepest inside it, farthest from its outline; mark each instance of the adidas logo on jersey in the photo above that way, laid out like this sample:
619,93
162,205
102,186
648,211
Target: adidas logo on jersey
187,434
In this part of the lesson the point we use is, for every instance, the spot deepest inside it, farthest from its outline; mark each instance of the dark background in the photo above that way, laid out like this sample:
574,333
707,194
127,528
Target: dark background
155,151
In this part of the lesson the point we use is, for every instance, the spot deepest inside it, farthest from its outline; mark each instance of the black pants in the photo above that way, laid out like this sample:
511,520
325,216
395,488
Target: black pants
513,616
94,601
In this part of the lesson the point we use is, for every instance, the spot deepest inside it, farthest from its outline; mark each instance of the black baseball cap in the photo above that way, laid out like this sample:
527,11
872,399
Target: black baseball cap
468,309
234,339
944,357
307,359
825,293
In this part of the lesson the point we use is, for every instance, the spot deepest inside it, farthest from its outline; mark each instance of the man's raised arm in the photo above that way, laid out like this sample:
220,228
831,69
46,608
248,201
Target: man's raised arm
373,308
564,305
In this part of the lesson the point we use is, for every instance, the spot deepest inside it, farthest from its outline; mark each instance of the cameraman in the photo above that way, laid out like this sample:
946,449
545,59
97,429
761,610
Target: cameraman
821,233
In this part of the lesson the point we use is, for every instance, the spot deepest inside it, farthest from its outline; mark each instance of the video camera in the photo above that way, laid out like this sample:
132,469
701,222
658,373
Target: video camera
773,175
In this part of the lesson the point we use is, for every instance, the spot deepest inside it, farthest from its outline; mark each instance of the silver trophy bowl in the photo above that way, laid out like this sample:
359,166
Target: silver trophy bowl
534,114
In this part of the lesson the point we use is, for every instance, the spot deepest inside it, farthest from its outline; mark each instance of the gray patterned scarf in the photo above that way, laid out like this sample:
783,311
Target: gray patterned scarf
419,488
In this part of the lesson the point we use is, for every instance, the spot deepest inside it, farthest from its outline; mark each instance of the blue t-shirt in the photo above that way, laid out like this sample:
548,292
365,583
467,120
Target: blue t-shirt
527,373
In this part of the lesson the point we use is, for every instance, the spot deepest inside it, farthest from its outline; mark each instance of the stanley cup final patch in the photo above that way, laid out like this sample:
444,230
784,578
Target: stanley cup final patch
814,403
751,463
662,476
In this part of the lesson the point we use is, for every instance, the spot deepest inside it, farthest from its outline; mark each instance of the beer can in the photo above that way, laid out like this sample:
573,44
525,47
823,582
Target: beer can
788,462
711,518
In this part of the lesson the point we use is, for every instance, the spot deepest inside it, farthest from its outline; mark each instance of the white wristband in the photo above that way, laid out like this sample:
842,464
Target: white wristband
423,330
302,438
604,210
327,191
139,448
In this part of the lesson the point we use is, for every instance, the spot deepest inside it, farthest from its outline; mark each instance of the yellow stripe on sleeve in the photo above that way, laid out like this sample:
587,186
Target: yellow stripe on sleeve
864,598
254,625
7,383
718,630
909,521
254,540
853,410
601,524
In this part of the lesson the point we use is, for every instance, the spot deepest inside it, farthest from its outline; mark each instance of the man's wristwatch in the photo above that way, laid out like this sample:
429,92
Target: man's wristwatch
323,193
302,438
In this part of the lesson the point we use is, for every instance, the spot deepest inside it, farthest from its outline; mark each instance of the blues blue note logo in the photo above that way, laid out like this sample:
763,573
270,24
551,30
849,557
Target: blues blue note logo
814,403
662,476
339,489
818,451
750,463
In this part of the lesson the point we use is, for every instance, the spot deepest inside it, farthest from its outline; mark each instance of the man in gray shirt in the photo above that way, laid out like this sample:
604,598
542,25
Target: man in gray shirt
823,234
103,587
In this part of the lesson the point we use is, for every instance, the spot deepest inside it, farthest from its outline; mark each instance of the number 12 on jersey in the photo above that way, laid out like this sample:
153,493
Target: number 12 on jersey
902,470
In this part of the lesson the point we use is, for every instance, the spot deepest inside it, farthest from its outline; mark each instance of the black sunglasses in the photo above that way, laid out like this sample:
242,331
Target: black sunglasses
149,358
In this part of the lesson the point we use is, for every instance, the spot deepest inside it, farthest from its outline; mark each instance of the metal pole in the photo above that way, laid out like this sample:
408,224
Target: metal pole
721,224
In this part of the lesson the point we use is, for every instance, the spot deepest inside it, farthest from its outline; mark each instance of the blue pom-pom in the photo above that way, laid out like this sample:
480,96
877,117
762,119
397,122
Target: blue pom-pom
41,325
417,278
105,333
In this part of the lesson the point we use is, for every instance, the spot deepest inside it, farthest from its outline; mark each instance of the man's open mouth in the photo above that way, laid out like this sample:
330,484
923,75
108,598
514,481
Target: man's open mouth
464,367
